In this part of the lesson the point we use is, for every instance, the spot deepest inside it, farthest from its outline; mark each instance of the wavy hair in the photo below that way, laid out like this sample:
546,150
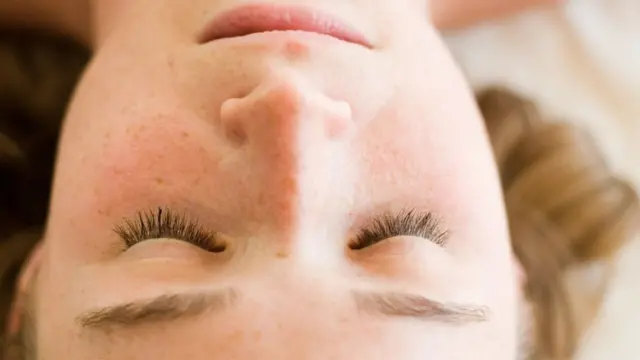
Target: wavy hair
567,209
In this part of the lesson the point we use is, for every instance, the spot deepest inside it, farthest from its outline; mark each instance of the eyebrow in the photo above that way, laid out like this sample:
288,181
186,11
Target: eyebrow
164,308
416,306
174,307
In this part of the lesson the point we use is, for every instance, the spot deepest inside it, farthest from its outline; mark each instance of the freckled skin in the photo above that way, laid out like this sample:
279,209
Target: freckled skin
283,145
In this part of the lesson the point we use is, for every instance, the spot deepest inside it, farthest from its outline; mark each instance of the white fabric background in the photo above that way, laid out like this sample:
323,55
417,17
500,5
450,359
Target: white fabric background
581,62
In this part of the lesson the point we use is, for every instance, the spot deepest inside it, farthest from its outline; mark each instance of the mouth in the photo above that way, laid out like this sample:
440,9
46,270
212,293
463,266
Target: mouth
262,18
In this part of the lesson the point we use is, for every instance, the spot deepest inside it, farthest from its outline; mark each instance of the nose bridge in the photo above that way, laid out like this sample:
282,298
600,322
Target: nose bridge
285,127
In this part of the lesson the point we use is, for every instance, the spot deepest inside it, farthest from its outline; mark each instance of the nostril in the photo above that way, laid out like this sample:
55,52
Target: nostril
280,109
339,123
230,122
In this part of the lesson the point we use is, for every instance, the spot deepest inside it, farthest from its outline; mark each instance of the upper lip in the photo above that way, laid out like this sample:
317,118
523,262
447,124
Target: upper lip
257,18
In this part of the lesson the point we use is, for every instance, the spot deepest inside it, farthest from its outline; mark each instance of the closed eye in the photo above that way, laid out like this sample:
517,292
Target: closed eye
165,224
406,223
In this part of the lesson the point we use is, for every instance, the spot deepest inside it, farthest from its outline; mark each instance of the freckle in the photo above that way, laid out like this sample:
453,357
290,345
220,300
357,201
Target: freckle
296,50
282,255
185,134
236,336
159,181
135,135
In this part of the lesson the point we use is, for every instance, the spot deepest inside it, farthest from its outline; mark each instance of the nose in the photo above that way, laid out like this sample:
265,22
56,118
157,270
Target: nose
281,113
290,137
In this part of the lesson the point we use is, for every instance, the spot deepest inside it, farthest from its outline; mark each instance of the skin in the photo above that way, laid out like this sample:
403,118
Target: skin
284,144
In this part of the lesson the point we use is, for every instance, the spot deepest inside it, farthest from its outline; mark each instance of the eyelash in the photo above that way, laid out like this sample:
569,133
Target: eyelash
163,223
406,223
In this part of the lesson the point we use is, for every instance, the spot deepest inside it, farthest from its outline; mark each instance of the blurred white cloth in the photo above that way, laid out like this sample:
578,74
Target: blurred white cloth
580,62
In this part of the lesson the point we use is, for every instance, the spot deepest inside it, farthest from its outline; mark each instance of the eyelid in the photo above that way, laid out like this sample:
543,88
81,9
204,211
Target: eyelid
405,223
165,224
393,247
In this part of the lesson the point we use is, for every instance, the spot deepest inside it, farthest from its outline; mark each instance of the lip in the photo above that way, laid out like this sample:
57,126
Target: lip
261,18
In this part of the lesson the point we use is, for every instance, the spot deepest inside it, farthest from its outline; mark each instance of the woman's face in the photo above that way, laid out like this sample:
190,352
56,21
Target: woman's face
276,196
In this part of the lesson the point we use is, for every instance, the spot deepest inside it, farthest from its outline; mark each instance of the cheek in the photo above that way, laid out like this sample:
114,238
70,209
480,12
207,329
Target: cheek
161,153
436,156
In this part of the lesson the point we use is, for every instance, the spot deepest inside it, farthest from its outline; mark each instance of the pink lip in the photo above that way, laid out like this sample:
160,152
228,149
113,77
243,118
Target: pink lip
259,18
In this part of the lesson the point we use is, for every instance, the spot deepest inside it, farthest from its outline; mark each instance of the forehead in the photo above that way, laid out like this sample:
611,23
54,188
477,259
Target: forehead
287,326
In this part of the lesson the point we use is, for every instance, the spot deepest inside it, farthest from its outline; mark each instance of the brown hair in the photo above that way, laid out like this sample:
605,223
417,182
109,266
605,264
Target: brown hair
566,208
38,71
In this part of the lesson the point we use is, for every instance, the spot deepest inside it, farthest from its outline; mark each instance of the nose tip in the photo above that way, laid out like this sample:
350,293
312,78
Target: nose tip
280,108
